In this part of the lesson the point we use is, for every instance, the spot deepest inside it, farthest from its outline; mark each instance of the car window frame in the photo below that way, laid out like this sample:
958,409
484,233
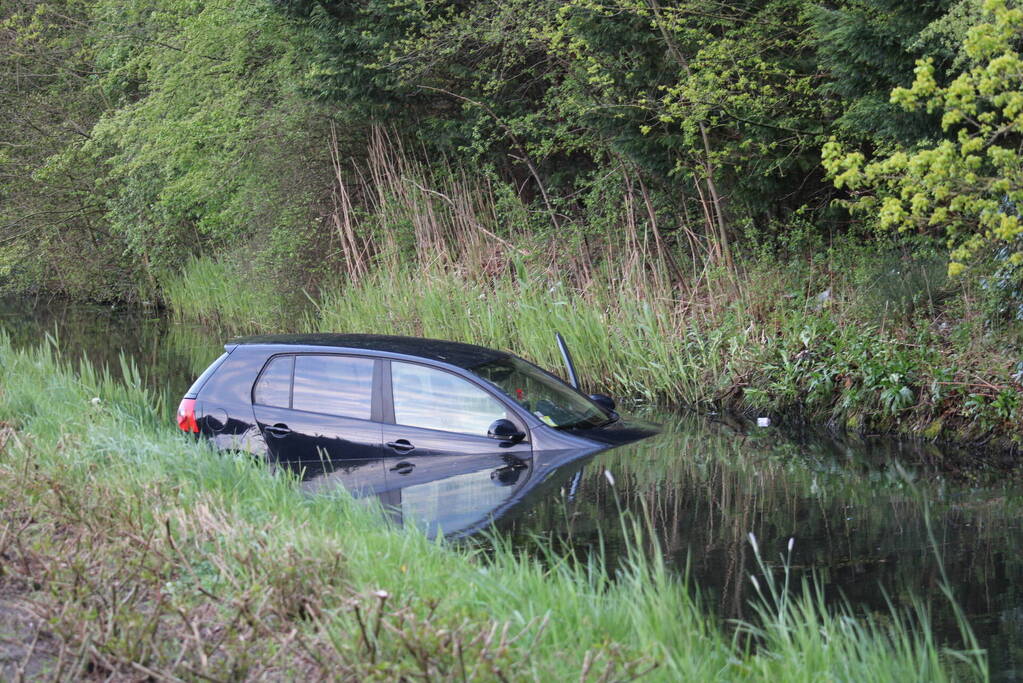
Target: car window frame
263,371
376,413
387,395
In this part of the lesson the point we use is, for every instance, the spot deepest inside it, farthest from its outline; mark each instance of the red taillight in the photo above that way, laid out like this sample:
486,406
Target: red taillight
186,416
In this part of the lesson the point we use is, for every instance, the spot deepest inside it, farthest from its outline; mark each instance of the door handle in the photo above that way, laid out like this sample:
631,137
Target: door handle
278,429
401,445
403,467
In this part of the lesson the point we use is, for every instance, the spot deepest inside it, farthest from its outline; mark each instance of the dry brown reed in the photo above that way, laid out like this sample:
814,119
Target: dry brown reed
452,220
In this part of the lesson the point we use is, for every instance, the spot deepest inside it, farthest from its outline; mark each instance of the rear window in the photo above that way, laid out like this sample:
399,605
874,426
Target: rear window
193,390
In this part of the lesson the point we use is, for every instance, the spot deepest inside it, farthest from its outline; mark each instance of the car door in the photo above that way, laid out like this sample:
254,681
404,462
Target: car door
316,412
432,415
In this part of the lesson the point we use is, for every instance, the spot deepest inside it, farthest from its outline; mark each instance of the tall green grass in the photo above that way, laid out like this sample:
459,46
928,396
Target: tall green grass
219,292
144,540
642,344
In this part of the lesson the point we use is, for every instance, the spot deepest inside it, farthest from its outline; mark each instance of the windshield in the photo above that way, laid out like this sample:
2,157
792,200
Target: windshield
545,396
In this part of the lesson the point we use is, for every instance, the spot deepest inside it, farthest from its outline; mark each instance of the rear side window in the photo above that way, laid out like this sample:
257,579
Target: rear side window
337,385
435,399
274,385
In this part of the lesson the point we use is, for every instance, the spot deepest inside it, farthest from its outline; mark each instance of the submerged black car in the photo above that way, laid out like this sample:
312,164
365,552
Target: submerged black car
382,401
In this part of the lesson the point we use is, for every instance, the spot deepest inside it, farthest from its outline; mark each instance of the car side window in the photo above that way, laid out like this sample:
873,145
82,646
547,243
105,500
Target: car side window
435,399
336,385
274,386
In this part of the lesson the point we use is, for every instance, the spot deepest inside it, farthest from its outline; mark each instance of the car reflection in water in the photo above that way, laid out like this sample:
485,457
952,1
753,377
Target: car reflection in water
456,495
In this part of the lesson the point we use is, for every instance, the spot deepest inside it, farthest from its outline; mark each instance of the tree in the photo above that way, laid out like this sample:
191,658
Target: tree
866,48
713,109
52,231
969,185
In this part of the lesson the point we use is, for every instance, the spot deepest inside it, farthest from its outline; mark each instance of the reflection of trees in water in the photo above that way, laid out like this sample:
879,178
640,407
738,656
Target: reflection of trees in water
169,355
858,523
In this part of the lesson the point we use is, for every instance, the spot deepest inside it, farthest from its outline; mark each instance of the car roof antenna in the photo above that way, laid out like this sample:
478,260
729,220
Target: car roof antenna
573,379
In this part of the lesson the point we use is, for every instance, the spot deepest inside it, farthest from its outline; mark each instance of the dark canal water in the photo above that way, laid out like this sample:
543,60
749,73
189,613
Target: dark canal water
870,518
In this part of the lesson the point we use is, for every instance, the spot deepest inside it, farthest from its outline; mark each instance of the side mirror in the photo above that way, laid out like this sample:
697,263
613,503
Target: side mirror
605,402
505,430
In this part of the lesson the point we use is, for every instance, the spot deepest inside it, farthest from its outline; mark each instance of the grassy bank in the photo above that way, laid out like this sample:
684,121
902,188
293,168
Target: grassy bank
857,335
143,553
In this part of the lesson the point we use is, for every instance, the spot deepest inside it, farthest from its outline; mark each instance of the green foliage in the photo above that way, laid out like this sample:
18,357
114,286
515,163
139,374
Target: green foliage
52,231
191,133
869,47
966,187
554,94
1002,287
216,291
193,156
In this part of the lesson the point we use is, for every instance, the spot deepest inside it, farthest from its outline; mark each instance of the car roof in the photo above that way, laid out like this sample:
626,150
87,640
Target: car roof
454,353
